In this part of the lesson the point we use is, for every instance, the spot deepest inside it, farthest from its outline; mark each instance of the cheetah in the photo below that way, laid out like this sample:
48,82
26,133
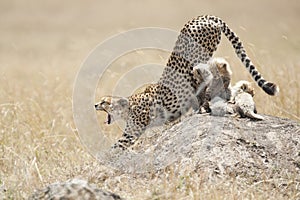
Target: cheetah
242,85
217,76
220,107
243,101
73,189
177,89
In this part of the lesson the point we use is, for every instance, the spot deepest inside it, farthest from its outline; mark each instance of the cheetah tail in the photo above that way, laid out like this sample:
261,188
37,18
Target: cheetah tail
269,87
252,115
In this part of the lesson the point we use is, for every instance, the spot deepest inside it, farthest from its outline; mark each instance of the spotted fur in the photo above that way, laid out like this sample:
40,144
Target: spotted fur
177,89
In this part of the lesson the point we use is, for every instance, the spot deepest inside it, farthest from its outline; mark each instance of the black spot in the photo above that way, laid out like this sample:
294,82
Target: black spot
68,191
251,68
257,77
254,73
235,40
261,82
231,36
227,31
172,118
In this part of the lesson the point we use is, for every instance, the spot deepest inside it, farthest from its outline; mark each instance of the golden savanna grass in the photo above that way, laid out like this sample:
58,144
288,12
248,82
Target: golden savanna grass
43,44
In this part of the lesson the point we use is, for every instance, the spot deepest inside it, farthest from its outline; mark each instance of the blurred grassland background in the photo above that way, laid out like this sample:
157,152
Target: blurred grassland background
44,43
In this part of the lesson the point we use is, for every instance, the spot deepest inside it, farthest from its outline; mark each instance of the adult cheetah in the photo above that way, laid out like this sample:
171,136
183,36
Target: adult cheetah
177,89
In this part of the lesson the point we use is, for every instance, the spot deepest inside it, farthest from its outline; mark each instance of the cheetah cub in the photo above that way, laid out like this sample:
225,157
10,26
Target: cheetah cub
242,97
217,76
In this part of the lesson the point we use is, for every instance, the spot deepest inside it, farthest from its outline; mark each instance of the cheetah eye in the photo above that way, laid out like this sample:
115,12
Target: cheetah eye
104,103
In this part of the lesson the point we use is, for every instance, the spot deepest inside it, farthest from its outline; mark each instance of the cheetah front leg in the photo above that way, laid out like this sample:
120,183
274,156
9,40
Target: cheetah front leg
133,130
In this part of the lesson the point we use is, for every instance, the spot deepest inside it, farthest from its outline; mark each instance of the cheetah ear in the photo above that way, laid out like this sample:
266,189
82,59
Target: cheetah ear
223,65
123,102
244,87
252,92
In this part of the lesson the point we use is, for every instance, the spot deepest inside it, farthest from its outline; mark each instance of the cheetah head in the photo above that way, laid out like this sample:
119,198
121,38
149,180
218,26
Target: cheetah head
244,86
222,66
247,87
115,107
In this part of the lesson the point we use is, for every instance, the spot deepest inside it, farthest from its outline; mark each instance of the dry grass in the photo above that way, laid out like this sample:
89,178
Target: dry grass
42,46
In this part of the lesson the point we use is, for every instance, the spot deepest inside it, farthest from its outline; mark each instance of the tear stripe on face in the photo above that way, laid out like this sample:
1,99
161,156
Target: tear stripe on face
108,118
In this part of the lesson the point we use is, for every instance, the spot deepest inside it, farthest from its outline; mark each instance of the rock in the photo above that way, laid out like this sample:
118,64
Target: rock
72,190
234,145
258,156
222,147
